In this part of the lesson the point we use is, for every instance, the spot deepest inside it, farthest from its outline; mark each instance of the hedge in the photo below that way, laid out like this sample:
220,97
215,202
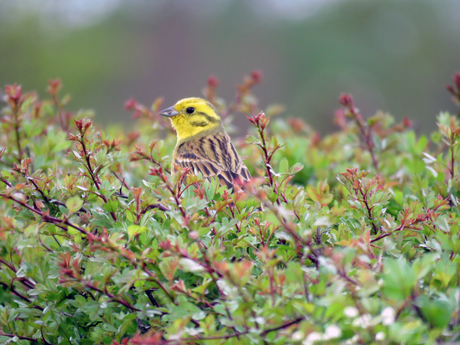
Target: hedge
350,238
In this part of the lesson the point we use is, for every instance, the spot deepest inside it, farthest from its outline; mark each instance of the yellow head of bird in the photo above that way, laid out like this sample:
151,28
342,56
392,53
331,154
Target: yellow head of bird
191,116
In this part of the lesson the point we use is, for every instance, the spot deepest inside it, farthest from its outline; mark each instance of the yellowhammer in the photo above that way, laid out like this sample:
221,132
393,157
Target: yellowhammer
203,144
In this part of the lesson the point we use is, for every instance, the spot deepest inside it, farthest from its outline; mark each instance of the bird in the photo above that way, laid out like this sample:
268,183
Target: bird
203,145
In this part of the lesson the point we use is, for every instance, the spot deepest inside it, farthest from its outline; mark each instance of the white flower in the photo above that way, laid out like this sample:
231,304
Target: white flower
311,338
352,341
363,321
296,336
350,312
388,316
380,336
332,332
189,265
260,320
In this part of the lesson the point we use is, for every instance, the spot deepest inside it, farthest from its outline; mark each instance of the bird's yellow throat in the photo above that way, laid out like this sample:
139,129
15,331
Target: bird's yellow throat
185,128
192,116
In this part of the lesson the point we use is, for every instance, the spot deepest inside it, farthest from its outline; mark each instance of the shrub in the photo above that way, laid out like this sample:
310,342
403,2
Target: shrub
352,238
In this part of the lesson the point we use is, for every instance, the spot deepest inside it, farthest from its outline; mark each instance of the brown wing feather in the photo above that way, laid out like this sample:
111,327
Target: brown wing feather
213,155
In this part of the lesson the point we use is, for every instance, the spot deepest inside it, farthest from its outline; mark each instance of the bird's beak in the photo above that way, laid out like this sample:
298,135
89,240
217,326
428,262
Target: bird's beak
169,112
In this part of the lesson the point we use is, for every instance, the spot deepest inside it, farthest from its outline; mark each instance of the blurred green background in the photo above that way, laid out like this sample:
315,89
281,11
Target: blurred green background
395,56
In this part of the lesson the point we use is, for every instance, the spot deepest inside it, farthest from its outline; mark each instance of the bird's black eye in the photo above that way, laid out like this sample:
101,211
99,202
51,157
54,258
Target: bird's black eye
190,110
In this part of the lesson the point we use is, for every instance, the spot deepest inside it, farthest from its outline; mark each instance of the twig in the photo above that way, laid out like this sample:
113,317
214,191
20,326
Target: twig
151,298
47,218
23,338
18,137
21,296
153,206
452,155
369,210
24,281
366,131
6,182
264,333
91,173
286,325
123,182
402,227
112,297
82,209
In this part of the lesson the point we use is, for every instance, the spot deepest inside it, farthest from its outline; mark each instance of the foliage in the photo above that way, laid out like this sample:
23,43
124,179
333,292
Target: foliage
352,238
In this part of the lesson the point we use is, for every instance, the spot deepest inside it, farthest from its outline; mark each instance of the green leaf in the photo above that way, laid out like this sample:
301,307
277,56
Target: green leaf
437,312
74,204
111,206
398,279
284,166
134,230
296,168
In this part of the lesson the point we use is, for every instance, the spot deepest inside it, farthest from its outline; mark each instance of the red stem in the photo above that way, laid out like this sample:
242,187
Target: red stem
93,177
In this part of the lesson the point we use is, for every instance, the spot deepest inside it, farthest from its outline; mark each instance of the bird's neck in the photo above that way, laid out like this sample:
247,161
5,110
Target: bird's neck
186,131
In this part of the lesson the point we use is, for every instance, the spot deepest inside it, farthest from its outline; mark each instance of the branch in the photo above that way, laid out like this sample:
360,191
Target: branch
91,172
369,210
21,296
264,333
47,218
18,137
22,338
366,131
112,297
24,281
158,206
286,325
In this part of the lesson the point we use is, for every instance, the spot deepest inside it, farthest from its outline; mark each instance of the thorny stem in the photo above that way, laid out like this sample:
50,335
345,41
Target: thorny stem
151,207
151,298
112,297
26,282
46,217
90,169
366,131
21,296
343,275
266,157
24,338
157,281
402,227
452,155
179,205
45,198
154,161
82,209
408,226
172,190
58,106
16,130
93,176
369,144
123,181
6,182
369,210
260,121
264,333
